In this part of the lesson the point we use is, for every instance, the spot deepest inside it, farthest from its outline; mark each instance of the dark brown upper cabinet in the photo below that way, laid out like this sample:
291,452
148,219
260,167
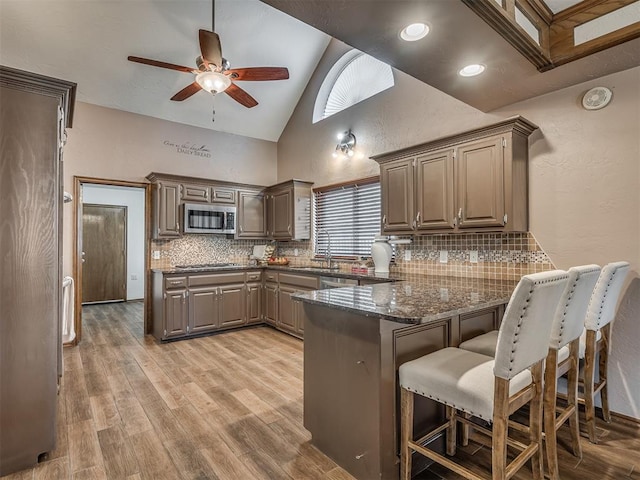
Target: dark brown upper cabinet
472,182
166,211
251,215
288,207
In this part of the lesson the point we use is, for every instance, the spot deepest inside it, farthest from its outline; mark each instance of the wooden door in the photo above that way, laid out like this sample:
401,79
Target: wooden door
104,245
480,182
396,184
435,183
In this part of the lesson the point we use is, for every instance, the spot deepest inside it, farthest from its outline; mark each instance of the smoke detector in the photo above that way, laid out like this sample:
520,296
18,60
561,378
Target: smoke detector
596,98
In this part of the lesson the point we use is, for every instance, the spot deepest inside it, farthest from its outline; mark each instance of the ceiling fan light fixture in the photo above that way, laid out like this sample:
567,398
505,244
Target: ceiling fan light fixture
472,70
414,32
213,82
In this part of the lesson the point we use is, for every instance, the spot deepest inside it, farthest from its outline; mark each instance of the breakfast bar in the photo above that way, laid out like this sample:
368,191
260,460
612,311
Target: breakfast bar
355,340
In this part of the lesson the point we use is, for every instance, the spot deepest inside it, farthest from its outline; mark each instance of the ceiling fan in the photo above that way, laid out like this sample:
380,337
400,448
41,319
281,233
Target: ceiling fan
213,73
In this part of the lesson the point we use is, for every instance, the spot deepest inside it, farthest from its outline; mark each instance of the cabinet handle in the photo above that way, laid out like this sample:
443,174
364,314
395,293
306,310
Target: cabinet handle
384,220
177,227
413,226
359,362
460,213
289,229
175,282
358,457
418,218
241,229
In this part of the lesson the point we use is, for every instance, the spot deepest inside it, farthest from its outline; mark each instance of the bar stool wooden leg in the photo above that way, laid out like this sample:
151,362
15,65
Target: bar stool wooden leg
572,398
406,429
589,378
465,431
549,413
603,369
451,431
535,421
500,429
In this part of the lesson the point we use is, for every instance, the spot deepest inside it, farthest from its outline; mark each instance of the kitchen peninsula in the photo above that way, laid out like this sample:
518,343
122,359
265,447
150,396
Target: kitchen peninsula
355,340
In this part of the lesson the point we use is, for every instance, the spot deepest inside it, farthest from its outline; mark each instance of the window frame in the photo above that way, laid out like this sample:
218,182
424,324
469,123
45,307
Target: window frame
350,184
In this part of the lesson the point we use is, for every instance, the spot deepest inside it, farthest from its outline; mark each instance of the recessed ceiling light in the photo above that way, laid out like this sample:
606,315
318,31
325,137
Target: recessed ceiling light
472,70
414,32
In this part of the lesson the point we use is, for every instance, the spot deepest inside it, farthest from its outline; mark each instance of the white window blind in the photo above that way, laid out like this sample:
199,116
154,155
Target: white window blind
351,215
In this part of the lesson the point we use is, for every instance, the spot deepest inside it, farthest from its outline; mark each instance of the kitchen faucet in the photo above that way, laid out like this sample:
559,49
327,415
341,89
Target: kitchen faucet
327,254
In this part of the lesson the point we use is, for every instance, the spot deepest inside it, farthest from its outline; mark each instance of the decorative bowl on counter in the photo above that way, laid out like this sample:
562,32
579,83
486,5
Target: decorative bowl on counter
278,261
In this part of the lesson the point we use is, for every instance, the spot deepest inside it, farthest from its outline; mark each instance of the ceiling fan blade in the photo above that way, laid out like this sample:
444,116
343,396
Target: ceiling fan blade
156,63
186,92
210,47
259,73
241,96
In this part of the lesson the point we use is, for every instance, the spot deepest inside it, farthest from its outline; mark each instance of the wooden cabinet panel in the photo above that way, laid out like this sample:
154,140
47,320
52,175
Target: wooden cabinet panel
175,314
481,187
195,193
397,186
232,305
223,195
286,318
434,192
254,302
271,303
282,214
481,199
166,210
203,310
251,215
477,323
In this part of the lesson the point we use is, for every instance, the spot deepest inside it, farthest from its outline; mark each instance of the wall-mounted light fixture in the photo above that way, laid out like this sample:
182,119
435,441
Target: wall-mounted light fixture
346,145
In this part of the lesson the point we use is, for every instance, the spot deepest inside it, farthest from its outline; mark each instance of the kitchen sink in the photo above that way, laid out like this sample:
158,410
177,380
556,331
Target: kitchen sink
315,269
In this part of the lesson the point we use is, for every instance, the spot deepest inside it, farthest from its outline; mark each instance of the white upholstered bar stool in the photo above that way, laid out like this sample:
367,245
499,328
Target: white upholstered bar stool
567,327
596,340
488,388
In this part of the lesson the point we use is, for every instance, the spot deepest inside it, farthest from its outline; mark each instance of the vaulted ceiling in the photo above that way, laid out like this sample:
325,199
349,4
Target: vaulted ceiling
88,42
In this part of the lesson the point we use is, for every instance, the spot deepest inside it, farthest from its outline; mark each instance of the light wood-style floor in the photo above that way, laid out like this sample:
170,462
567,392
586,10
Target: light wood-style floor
226,407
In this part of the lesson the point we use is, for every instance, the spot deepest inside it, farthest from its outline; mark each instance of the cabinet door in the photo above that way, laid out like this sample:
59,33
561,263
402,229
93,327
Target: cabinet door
223,195
251,215
232,305
480,183
434,191
271,303
282,214
286,310
168,215
254,302
203,309
195,193
396,185
175,314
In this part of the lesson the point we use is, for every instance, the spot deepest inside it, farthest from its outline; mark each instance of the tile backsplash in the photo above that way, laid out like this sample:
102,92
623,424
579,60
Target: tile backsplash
500,256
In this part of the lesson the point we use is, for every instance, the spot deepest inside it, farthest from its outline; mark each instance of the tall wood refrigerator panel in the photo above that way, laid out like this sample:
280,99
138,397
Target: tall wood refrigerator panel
30,262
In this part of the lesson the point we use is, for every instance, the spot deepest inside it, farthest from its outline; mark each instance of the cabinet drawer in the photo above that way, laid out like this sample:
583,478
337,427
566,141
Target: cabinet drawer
175,282
223,195
254,276
216,279
271,276
299,280
195,193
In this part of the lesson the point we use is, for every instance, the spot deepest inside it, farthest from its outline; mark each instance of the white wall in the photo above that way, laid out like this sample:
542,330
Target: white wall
133,199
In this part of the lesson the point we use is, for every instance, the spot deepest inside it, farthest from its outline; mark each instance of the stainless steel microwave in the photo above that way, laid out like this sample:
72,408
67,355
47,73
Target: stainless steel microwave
199,218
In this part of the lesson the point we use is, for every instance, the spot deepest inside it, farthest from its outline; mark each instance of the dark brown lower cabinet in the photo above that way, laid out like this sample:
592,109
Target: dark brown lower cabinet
351,393
286,318
198,303
271,303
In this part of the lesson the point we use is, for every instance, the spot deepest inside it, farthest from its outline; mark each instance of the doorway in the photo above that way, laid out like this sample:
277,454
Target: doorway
104,253
112,232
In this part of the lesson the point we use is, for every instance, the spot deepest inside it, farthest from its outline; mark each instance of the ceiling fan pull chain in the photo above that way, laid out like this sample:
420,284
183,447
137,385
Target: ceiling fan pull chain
213,112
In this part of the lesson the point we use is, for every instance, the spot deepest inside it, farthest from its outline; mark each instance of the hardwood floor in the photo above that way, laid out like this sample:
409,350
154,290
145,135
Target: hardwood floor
226,407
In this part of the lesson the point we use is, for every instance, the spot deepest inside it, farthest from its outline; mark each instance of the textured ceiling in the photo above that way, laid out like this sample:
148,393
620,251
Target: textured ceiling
88,42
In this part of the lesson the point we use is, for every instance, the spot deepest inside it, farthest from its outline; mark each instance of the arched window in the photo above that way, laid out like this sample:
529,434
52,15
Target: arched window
355,77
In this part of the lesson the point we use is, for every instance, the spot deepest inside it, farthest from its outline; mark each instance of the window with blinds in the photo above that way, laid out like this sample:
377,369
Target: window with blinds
351,215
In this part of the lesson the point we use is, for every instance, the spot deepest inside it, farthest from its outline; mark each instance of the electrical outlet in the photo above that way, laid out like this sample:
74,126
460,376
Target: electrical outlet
444,294
295,252
444,256
473,256
134,277
155,255
407,255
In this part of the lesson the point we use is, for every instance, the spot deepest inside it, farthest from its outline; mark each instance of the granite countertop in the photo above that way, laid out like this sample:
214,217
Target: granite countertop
319,271
416,299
